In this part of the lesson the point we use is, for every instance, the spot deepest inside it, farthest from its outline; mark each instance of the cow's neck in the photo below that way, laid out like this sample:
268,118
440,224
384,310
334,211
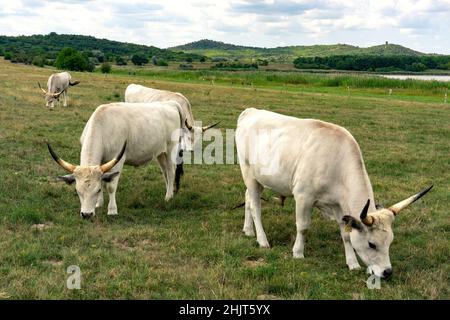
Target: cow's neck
359,191
92,149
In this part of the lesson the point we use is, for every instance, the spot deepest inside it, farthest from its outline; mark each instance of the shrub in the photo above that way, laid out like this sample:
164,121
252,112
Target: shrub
8,55
120,61
38,61
162,63
186,66
139,59
105,67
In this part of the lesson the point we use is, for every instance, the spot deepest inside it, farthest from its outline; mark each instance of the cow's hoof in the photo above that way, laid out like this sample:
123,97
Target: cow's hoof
264,245
298,255
249,233
354,266
112,213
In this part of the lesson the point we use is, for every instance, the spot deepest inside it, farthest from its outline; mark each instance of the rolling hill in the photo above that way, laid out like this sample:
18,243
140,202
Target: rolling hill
26,48
216,49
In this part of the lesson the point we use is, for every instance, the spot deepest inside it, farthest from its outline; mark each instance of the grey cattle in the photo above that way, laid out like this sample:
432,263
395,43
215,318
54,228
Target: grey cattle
320,165
127,133
57,85
137,93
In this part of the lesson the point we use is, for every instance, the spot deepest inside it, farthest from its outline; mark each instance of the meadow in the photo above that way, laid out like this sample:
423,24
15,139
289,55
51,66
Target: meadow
192,247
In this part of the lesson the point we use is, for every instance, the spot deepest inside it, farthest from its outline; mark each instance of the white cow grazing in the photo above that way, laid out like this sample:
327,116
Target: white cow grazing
320,165
137,93
128,133
57,84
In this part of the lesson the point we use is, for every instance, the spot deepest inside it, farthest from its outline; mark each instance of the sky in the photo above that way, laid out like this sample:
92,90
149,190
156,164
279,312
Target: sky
422,25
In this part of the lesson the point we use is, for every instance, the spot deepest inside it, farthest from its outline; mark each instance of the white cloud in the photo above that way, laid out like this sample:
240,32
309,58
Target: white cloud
419,24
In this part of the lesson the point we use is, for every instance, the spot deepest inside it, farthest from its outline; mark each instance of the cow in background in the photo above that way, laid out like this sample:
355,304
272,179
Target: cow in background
57,85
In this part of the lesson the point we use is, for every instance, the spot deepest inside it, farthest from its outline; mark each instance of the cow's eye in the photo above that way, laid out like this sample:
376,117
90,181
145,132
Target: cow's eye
99,190
373,246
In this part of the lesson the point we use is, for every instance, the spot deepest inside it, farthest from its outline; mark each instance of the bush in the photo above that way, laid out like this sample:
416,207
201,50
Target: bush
105,67
186,66
8,55
71,59
162,63
235,66
38,61
139,59
262,62
120,61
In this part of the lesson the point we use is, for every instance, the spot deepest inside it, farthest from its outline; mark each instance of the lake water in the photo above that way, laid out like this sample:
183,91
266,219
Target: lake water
416,77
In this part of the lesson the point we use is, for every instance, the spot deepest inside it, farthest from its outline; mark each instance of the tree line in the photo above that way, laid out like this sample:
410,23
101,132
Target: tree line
375,62
85,51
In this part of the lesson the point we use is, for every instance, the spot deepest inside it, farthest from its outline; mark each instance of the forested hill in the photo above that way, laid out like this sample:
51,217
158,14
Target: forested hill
23,48
213,49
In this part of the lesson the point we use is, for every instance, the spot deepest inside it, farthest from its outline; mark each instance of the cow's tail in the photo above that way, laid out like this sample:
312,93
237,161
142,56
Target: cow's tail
179,169
74,83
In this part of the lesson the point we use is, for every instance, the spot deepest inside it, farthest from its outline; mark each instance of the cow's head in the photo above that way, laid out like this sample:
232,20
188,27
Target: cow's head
372,235
88,180
50,98
191,138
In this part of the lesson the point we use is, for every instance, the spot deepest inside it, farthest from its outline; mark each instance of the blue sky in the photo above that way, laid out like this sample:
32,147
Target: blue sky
422,25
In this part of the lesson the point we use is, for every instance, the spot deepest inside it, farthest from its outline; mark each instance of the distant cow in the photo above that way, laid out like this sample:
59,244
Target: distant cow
320,165
57,85
138,93
130,133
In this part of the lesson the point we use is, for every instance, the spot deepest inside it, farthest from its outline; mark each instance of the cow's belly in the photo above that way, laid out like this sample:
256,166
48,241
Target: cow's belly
278,183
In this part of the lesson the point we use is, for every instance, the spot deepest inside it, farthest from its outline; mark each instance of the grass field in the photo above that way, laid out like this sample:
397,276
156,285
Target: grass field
193,247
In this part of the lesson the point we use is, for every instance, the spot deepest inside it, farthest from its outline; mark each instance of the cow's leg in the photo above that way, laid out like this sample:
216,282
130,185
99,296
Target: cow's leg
163,165
254,194
248,223
100,200
350,256
65,98
170,177
303,210
112,187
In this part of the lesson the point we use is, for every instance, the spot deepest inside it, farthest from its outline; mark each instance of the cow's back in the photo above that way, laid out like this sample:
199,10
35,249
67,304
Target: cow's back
308,152
58,82
135,93
146,129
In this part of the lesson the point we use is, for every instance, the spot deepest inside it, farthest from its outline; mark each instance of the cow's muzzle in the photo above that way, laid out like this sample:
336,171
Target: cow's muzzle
86,215
387,273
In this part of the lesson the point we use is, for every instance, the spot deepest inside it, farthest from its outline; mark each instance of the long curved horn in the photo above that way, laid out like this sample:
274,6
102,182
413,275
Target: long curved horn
110,164
41,88
66,165
396,208
209,127
56,95
366,219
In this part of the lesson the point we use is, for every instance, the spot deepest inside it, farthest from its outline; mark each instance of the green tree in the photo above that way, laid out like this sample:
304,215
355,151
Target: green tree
105,67
120,61
139,59
71,59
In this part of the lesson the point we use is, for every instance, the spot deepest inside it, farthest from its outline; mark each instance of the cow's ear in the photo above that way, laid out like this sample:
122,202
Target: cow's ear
69,178
107,177
351,223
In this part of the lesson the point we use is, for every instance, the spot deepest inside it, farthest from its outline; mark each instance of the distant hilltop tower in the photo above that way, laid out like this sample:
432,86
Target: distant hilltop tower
387,43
